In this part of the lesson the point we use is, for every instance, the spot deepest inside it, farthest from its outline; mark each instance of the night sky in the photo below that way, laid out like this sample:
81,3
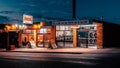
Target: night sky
11,11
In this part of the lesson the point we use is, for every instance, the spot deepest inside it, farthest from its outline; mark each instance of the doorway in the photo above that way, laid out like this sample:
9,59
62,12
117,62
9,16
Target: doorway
86,39
64,36
43,37
26,38
82,38
43,40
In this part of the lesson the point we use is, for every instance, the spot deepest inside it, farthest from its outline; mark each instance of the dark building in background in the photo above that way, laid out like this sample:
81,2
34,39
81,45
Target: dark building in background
13,37
111,34
3,39
3,36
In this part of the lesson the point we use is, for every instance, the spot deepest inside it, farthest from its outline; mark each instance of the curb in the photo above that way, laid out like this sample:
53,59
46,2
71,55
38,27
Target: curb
45,52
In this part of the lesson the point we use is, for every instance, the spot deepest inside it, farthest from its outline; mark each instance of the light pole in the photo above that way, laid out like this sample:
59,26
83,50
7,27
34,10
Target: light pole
74,9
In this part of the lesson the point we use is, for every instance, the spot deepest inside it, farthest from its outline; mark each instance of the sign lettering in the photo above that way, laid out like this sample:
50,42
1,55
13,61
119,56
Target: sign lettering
27,19
76,22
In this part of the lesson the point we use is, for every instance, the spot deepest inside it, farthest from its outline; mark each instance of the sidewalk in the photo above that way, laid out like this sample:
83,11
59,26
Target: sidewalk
63,50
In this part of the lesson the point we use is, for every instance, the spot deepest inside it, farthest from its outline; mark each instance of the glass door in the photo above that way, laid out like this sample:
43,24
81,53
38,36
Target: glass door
40,40
43,37
46,40
82,39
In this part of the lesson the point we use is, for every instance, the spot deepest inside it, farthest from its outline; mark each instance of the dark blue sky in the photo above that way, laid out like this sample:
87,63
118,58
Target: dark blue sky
109,9
11,11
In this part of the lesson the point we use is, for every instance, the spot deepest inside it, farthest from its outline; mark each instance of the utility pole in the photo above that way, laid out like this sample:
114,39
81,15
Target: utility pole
102,18
74,8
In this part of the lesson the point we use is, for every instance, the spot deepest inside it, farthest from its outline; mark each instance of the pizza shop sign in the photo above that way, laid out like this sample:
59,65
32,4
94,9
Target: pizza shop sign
75,22
27,19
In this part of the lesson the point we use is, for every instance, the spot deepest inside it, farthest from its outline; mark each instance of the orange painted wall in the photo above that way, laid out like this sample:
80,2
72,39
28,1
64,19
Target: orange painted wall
40,37
99,42
20,38
74,37
53,33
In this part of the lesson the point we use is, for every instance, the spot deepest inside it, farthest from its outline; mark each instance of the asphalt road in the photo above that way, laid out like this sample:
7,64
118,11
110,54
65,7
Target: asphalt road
54,60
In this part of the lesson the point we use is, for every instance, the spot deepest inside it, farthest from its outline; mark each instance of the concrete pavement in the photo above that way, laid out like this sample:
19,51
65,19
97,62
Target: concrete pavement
64,50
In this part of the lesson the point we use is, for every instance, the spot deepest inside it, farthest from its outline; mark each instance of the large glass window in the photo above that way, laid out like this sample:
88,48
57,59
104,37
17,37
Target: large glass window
64,36
44,30
86,35
43,37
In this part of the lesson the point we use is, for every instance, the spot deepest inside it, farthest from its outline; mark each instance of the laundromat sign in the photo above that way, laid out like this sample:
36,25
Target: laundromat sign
76,22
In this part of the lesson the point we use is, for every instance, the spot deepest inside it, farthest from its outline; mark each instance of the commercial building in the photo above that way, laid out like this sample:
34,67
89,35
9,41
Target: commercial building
77,33
73,33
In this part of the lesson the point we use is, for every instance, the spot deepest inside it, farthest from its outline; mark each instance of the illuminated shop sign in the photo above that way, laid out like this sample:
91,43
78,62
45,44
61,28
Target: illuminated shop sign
76,22
27,19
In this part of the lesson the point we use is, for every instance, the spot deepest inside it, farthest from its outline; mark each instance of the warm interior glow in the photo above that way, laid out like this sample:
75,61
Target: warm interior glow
40,38
48,30
75,26
7,27
11,27
42,23
36,26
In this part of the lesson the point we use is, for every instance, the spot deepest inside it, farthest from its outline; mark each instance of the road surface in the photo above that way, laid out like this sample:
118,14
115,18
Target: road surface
103,59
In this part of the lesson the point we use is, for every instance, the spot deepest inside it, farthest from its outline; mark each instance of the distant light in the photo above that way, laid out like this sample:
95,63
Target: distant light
16,25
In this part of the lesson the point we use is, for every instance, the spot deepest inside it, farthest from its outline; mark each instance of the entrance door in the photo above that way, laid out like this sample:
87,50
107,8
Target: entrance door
43,40
43,37
46,40
82,37
87,39
26,38
40,40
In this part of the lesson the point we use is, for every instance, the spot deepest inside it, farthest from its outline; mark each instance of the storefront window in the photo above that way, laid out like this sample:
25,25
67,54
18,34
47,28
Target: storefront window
28,31
43,37
86,35
43,30
62,28
57,27
64,36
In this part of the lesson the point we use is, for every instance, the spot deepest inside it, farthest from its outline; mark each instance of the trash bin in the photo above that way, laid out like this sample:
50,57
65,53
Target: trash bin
10,47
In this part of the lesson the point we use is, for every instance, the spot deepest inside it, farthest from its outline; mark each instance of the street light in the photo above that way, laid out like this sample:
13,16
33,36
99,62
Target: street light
21,27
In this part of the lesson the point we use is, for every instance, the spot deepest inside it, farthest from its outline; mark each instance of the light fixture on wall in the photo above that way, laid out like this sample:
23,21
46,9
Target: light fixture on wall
75,26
